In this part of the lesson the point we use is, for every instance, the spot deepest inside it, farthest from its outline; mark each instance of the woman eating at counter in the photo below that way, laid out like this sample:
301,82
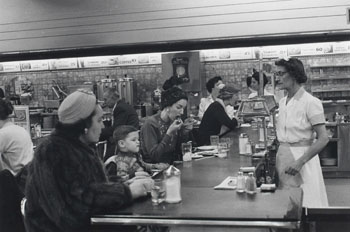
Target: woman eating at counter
162,133
300,115
66,181
216,116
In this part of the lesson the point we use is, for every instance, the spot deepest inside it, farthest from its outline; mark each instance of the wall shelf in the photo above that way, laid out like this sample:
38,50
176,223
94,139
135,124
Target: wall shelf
330,78
330,90
330,66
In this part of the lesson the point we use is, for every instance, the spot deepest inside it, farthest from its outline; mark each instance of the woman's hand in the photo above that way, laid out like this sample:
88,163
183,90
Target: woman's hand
140,187
188,123
294,168
175,126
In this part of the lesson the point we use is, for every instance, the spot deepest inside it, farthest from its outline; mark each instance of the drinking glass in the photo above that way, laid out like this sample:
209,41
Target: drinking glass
227,140
214,140
186,151
222,150
158,191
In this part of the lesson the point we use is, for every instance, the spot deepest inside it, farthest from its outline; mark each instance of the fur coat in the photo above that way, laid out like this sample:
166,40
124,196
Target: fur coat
67,184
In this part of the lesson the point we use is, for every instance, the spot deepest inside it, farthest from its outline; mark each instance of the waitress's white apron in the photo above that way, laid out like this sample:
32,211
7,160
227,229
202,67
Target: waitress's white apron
310,177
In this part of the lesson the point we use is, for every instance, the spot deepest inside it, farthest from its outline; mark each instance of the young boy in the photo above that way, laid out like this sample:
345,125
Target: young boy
126,161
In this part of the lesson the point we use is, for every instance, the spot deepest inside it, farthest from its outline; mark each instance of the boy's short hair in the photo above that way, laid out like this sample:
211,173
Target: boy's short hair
121,132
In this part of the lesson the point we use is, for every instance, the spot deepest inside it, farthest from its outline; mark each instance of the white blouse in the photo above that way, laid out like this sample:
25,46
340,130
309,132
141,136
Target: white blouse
296,118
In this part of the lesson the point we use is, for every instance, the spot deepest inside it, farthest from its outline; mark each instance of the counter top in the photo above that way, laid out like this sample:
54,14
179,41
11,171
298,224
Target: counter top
202,205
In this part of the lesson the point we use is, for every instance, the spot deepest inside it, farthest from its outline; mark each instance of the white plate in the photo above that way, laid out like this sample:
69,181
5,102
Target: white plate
206,148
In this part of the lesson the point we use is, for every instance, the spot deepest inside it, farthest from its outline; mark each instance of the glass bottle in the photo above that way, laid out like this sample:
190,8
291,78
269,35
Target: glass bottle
250,185
240,183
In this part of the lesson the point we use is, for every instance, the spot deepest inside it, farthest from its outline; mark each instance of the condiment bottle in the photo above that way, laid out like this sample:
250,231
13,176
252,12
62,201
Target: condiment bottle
172,180
240,183
250,184
243,140
248,148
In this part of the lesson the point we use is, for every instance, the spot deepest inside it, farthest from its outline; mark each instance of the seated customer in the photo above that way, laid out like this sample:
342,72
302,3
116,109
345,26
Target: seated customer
127,161
16,147
213,86
123,114
215,116
162,133
253,84
66,181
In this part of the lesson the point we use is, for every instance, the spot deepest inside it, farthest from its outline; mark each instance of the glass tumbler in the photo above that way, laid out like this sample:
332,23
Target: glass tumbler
222,150
214,140
158,191
186,149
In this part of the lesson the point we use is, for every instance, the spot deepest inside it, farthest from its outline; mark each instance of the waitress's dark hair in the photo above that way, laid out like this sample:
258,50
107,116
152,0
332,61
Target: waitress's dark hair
211,83
76,129
294,67
6,109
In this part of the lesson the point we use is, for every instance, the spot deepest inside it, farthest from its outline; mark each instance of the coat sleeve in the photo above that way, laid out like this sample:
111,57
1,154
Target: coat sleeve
70,187
224,119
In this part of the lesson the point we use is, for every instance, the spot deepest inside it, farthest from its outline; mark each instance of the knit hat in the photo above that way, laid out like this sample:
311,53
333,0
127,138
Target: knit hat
227,92
171,96
77,106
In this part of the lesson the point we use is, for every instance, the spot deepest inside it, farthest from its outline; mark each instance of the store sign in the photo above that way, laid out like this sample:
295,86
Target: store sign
34,65
274,51
105,61
10,67
69,63
227,54
341,47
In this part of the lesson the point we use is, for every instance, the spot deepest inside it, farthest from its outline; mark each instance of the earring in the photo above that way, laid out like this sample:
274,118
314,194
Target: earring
85,130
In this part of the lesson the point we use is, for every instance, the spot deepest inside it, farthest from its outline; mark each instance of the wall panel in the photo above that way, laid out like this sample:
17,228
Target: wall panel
46,24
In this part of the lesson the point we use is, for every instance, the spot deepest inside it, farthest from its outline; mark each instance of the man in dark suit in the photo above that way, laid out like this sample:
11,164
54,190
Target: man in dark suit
123,114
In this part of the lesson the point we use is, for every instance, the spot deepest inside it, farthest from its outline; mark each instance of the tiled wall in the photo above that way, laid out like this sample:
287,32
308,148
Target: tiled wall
148,77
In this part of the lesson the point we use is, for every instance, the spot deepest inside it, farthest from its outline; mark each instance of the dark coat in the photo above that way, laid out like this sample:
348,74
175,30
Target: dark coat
123,114
214,117
66,184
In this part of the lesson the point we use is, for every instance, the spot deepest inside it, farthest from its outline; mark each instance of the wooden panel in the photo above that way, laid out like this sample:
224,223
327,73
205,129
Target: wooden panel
38,24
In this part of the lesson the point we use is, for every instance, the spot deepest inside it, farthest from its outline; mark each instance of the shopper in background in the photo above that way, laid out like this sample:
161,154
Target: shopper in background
66,180
253,84
213,87
16,147
123,114
300,115
126,163
215,116
162,133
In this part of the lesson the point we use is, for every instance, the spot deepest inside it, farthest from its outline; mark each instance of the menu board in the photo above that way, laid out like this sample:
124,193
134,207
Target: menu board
21,116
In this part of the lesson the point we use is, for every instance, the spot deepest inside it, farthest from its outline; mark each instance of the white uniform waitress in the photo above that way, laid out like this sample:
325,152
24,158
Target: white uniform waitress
300,115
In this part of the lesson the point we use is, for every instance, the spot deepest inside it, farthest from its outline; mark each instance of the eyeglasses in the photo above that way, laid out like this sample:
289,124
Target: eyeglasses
280,73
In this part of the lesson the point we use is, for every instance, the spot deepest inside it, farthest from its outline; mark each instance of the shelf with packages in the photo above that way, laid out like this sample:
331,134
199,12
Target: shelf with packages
334,158
329,81
329,65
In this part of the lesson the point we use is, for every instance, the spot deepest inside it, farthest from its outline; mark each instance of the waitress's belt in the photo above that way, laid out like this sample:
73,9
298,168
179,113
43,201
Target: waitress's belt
302,143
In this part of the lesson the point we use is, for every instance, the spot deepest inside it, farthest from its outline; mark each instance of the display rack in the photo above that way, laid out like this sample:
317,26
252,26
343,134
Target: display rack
330,81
